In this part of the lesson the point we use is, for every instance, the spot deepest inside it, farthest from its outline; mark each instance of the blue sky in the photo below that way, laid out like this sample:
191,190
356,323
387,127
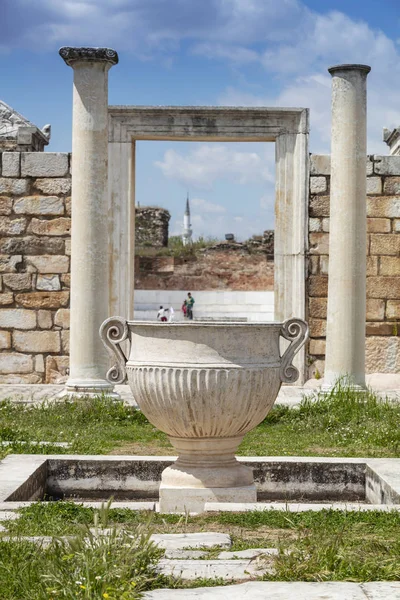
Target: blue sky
205,52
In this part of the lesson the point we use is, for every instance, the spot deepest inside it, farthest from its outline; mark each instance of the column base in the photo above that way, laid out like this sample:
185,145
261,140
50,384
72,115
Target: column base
84,388
183,500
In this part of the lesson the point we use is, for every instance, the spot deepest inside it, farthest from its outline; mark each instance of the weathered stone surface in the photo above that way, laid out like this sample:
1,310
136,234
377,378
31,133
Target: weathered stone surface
44,164
68,206
388,244
316,369
43,299
62,318
396,224
384,206
381,329
15,187
325,224
57,369
18,281
178,541
318,185
6,298
151,227
39,205
320,164
36,341
374,185
10,226
211,569
317,307
32,378
284,590
319,206
324,265
17,318
392,185
5,205
386,165
317,328
60,226
32,245
378,225
317,347
372,266
383,287
375,309
48,282
45,319
48,264
315,224
382,354
39,363
319,243
5,340
54,187
389,265
65,341
313,265
8,264
15,363
66,280
393,309
68,247
10,164
318,286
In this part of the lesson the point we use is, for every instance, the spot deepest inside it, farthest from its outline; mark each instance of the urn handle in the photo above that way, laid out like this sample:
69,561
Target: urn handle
113,332
296,331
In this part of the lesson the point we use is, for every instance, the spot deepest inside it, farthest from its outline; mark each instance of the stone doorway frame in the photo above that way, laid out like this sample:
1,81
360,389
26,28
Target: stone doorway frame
287,127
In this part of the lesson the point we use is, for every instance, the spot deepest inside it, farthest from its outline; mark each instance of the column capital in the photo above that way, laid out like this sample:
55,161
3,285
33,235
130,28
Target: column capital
72,55
351,67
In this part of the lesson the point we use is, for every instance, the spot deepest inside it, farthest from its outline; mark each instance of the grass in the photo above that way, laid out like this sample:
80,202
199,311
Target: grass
313,546
343,423
177,249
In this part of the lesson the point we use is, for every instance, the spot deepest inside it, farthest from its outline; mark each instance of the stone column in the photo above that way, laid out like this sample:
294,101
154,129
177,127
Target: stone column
345,336
89,236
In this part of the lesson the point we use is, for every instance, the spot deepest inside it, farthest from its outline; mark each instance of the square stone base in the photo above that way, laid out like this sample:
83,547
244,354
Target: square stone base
193,500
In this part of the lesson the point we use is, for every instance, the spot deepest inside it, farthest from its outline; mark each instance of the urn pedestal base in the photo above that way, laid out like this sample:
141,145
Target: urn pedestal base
193,500
206,471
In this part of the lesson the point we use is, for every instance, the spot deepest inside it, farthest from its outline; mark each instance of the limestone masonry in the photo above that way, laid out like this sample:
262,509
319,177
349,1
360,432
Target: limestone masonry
383,263
35,221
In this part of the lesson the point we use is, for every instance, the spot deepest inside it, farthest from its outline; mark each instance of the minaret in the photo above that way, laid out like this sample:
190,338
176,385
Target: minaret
187,231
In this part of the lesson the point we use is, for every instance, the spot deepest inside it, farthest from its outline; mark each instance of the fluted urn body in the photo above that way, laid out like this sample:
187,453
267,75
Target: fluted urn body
205,385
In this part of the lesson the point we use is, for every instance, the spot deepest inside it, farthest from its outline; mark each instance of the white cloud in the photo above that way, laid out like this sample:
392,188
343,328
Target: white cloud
208,207
202,166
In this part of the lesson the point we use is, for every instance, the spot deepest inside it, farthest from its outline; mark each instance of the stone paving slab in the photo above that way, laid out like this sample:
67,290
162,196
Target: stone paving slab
297,507
230,570
276,590
180,541
8,515
382,590
250,553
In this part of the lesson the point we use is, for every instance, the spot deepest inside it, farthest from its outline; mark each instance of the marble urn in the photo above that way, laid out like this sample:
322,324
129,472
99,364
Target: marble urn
205,385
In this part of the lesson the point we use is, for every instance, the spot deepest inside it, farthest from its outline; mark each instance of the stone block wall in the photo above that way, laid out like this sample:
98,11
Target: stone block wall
35,223
383,263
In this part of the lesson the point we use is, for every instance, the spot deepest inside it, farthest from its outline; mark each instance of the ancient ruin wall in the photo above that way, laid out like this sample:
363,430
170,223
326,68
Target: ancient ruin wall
35,223
219,269
383,263
151,226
